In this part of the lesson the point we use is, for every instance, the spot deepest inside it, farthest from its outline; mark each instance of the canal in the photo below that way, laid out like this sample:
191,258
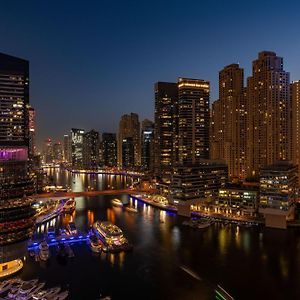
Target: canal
169,261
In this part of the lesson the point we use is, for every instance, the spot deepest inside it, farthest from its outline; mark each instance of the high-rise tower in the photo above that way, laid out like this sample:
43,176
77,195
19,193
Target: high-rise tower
268,105
166,129
129,127
228,121
193,120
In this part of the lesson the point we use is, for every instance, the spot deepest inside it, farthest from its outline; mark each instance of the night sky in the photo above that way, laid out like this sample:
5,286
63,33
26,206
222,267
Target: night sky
92,61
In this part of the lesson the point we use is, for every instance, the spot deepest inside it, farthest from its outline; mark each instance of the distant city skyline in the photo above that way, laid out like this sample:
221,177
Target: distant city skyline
89,65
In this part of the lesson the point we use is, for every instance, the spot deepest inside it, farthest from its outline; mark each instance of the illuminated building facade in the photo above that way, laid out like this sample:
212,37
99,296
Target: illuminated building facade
228,139
32,131
165,128
58,152
278,192
129,127
147,145
109,149
295,124
77,147
128,153
48,152
197,183
268,107
91,148
193,120
238,199
16,211
67,148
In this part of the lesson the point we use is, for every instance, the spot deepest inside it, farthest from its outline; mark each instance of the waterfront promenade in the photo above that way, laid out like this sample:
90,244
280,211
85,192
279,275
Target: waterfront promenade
94,193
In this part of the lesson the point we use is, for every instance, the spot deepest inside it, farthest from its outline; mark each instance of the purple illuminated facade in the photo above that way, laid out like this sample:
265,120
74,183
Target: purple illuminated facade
16,211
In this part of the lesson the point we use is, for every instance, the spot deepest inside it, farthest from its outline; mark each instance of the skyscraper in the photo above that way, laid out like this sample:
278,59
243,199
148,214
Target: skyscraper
128,153
129,127
48,151
147,145
91,148
77,147
16,212
32,131
67,148
109,149
268,105
228,121
57,152
295,123
193,120
165,130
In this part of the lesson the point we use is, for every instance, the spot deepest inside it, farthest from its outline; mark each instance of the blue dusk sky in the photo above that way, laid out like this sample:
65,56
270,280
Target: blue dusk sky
92,61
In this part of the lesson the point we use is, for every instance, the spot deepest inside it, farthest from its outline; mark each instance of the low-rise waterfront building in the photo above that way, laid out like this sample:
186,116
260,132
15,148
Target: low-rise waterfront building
196,183
237,199
278,193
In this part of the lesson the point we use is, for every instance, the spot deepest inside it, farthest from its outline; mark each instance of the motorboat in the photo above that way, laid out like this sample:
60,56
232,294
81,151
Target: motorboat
95,244
203,225
16,288
60,296
131,209
44,252
71,228
44,293
69,206
10,284
27,289
117,202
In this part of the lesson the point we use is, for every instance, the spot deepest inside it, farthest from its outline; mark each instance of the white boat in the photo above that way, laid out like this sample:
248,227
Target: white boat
45,293
117,202
15,290
95,244
69,206
131,209
26,290
44,252
60,296
203,225
71,228
10,284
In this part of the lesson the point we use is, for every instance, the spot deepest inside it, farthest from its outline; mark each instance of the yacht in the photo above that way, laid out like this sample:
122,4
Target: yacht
69,206
42,294
112,236
16,288
95,244
27,289
117,202
131,209
60,296
203,225
71,227
44,252
10,284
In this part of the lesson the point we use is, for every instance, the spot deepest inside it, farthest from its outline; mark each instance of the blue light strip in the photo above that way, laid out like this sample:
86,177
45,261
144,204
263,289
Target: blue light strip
54,242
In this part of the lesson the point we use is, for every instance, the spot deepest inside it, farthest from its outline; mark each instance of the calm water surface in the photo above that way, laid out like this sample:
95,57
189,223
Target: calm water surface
250,263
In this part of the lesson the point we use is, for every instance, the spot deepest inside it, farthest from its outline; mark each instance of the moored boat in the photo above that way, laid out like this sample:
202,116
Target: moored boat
69,206
117,202
111,236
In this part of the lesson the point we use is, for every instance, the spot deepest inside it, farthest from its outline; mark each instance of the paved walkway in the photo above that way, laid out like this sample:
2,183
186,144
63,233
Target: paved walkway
92,193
